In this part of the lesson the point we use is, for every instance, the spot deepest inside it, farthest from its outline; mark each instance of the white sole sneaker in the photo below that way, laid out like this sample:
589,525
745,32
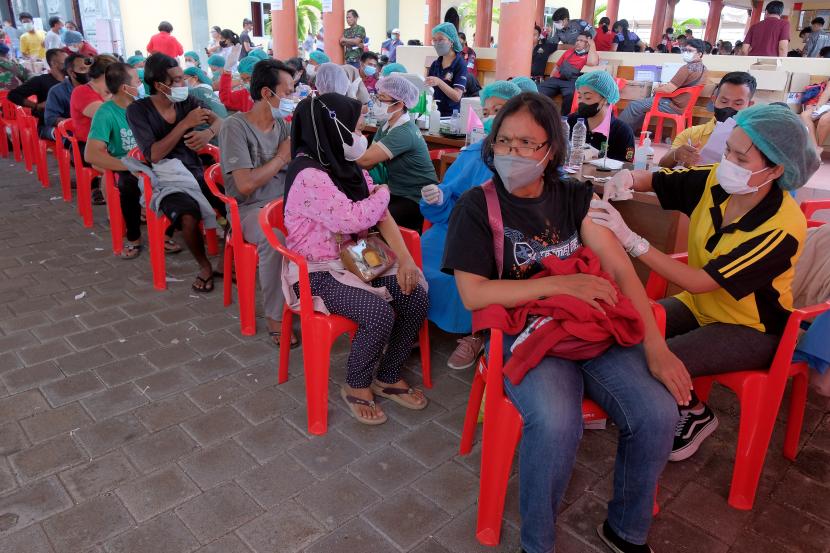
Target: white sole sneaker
691,448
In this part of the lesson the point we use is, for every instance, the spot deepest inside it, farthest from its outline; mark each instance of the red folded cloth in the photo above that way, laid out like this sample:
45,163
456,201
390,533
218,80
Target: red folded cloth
563,326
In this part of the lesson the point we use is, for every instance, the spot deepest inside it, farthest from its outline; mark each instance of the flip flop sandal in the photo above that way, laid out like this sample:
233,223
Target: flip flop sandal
171,247
207,285
353,402
394,394
277,334
130,251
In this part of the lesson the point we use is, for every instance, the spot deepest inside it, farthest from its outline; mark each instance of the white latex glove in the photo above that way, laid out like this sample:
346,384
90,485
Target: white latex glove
619,187
603,213
233,57
432,194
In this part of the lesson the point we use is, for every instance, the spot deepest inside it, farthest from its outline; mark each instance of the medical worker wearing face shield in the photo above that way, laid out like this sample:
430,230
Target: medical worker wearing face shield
745,237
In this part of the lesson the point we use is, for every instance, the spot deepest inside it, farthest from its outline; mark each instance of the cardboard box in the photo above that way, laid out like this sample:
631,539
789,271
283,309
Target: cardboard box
636,90
798,82
608,66
766,65
776,81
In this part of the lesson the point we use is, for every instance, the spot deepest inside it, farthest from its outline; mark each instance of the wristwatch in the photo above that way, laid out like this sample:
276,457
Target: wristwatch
639,247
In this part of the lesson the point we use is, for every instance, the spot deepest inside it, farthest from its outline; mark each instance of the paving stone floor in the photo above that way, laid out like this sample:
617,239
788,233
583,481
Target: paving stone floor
137,421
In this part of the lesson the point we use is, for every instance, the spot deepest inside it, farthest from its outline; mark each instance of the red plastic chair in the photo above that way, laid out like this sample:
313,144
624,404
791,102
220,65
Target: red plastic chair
83,182
681,121
809,207
620,84
9,120
238,253
319,331
63,131
27,131
435,155
502,430
760,393
157,224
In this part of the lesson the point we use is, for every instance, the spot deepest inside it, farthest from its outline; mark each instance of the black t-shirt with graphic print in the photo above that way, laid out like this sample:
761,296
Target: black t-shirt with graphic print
534,228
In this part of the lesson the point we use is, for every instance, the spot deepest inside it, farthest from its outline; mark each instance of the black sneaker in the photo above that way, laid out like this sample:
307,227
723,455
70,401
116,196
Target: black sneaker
98,197
692,428
617,544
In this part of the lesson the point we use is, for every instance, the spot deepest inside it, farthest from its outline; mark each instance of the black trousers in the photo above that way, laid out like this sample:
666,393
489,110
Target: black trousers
130,196
552,87
406,212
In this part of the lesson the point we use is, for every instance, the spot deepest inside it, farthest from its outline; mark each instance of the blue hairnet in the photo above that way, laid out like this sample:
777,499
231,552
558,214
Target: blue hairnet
330,77
400,89
781,136
319,57
499,89
526,84
193,55
216,61
132,61
390,68
246,65
449,31
602,83
257,54
198,73
72,37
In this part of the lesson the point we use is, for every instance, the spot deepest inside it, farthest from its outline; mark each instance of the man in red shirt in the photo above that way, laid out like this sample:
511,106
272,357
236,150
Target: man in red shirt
84,102
164,42
770,37
568,69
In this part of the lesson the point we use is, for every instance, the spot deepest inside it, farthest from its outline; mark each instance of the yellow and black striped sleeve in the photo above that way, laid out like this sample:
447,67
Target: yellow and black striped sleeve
754,264
681,189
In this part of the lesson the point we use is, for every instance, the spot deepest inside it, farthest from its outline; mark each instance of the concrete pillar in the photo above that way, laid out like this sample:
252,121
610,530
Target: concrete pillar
613,10
284,30
515,39
432,17
540,13
393,14
588,7
669,21
484,24
333,24
713,21
657,22
755,16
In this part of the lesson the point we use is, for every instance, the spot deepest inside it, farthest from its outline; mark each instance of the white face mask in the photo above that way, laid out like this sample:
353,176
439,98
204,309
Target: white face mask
353,87
558,25
189,64
380,111
734,179
359,143
74,48
310,70
177,93
28,26
689,57
517,172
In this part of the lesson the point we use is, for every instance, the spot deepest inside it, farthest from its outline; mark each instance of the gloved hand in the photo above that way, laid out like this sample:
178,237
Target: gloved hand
619,187
603,213
233,57
432,194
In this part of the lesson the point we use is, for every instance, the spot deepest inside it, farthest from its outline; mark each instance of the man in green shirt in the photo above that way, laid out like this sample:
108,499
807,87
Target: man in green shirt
111,139
352,41
398,144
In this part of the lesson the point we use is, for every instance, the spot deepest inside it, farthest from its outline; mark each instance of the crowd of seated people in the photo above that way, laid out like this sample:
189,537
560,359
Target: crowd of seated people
510,231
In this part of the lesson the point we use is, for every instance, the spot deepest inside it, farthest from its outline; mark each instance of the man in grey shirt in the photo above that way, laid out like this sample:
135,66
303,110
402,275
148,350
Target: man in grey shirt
818,39
255,150
566,30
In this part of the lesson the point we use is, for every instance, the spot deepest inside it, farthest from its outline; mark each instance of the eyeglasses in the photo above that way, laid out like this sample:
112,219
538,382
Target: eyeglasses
524,148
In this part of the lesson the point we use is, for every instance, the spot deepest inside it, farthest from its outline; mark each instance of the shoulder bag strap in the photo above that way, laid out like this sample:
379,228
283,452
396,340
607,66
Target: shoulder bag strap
496,223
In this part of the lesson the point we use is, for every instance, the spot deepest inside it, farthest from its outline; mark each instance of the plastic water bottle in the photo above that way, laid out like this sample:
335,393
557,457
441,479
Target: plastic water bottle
649,151
578,136
434,120
641,155
455,122
567,130
370,115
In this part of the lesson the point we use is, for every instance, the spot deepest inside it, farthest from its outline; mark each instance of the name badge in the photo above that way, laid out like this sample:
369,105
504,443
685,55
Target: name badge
448,77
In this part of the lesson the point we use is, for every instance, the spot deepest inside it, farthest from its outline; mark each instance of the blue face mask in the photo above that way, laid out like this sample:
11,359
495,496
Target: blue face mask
488,124
370,70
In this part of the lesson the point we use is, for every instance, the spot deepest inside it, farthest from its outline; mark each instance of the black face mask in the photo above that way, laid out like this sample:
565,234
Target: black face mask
586,111
82,78
722,114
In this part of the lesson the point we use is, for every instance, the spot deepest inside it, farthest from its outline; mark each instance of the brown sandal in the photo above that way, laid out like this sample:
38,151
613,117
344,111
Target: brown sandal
394,394
353,402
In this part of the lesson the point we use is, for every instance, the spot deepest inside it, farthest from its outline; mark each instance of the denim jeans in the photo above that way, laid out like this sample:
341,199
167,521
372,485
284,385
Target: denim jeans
549,399
635,111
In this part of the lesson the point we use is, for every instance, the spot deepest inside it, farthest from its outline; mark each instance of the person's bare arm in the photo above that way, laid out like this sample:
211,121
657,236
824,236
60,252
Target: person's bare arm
196,140
593,57
664,365
161,148
746,48
783,45
374,155
666,88
96,154
91,108
249,180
